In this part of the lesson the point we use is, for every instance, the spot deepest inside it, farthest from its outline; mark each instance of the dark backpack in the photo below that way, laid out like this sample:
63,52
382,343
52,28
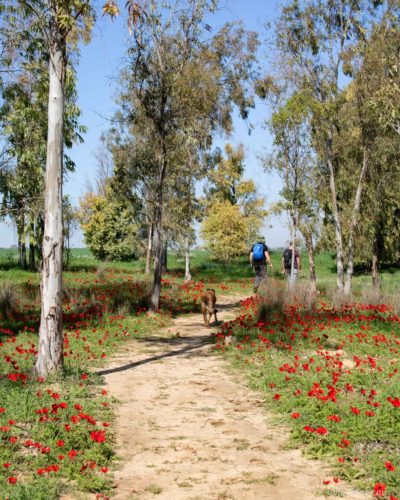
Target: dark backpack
258,252
287,258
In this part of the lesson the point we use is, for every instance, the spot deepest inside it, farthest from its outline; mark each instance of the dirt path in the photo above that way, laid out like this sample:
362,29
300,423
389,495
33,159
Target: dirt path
188,429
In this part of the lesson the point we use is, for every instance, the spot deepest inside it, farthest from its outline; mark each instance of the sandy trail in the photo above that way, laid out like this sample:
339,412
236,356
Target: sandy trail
187,428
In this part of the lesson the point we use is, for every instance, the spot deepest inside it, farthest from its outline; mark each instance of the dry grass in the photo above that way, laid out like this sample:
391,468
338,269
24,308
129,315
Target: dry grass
276,295
371,296
8,298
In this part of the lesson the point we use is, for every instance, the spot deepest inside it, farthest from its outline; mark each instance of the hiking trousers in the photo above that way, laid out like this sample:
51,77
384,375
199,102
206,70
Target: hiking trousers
261,274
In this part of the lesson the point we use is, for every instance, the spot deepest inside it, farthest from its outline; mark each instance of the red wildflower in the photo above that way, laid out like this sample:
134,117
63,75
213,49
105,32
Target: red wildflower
295,415
72,454
390,467
98,436
355,410
379,489
12,480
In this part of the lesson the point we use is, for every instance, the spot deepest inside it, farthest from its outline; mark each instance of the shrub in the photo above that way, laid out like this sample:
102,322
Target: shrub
109,228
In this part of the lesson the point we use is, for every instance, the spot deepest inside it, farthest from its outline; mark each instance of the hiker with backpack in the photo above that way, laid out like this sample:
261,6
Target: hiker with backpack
259,256
287,263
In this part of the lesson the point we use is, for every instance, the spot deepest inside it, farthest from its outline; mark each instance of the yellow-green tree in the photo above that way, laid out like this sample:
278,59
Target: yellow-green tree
224,230
228,194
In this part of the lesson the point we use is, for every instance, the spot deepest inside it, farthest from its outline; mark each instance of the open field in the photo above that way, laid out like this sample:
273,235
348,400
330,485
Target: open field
331,374
203,267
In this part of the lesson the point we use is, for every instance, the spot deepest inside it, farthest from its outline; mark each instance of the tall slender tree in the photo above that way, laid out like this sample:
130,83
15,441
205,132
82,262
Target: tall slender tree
179,88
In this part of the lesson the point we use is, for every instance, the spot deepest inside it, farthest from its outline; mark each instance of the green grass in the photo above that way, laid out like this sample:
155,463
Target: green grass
332,375
203,267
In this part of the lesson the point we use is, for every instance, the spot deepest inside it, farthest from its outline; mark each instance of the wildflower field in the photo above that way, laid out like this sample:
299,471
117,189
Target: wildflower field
57,435
331,372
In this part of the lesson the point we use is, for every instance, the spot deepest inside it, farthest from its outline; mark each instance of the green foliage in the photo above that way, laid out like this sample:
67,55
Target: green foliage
109,227
224,231
227,187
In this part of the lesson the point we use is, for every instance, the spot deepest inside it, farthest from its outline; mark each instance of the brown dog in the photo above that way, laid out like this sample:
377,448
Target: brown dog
208,301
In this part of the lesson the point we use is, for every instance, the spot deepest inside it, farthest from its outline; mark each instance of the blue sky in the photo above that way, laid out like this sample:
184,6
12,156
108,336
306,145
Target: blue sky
98,69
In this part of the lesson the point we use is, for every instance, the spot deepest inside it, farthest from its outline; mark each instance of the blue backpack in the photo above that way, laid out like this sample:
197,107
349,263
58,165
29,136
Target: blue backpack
258,252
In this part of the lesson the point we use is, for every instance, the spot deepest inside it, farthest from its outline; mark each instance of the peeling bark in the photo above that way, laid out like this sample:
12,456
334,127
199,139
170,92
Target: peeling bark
188,276
50,352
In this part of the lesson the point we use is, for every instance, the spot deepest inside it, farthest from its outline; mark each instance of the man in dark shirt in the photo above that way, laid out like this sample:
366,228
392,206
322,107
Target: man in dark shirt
287,263
259,262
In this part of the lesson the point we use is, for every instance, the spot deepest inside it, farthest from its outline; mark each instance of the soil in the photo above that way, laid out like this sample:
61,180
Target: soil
189,428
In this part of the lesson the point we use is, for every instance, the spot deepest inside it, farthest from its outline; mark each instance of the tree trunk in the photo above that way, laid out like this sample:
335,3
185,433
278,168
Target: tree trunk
188,276
67,248
164,260
149,248
158,247
375,272
158,252
376,253
32,245
32,263
336,217
22,254
292,266
353,223
21,241
50,353
311,262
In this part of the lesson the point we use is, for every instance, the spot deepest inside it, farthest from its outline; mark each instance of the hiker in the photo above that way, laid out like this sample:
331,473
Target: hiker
259,256
287,263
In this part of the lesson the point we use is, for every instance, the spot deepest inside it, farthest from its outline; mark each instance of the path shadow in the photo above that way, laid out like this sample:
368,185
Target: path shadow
193,343
227,307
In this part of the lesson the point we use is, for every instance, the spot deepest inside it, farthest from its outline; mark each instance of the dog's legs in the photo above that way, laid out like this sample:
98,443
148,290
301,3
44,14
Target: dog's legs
215,315
205,316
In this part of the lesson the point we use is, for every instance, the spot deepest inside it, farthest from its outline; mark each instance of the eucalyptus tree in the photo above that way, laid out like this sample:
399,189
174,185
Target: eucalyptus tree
376,140
63,24
179,87
293,159
317,38
23,117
